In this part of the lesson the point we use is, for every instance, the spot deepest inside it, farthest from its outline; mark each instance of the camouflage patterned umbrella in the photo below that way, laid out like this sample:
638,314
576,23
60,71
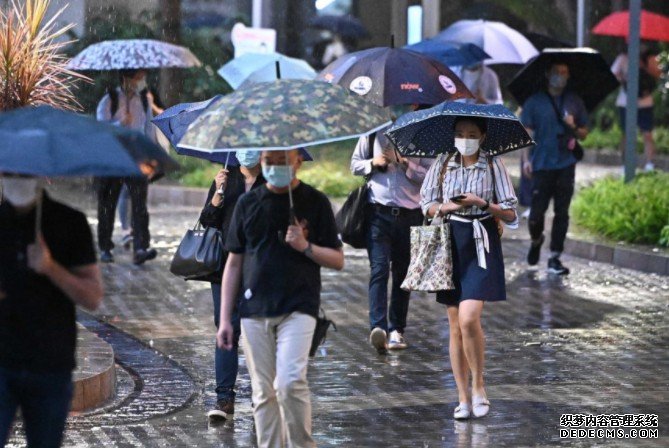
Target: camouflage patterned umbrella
125,54
281,115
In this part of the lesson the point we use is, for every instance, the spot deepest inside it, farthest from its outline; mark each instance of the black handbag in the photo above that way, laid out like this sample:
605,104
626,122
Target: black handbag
320,332
351,219
200,253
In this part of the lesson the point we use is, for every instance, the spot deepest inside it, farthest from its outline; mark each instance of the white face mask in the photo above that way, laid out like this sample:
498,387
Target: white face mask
467,146
20,191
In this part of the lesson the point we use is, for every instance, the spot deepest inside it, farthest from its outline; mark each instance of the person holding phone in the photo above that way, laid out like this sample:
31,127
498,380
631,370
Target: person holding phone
476,190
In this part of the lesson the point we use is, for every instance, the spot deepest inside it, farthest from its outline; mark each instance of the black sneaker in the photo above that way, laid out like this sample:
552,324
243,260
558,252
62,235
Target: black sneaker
555,267
224,410
106,256
535,250
144,255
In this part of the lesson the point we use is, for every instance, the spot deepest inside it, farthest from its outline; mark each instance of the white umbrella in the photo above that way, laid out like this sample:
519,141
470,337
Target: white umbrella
504,44
122,54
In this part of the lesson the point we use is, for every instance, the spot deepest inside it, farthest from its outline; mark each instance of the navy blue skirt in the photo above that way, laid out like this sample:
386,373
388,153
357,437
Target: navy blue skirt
472,281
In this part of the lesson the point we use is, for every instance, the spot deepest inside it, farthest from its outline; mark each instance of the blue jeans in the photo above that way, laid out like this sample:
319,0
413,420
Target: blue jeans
44,400
388,247
226,362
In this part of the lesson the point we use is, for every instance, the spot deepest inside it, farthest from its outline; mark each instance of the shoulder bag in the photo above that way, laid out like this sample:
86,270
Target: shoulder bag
577,150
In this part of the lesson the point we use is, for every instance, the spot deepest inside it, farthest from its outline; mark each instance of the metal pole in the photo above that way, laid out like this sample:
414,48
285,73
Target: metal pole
632,89
256,14
580,23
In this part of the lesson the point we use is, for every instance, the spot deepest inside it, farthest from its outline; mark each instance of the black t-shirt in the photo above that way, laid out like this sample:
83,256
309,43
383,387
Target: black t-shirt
37,320
277,279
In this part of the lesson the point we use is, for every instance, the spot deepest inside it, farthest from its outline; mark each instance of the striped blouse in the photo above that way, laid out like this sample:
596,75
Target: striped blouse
472,179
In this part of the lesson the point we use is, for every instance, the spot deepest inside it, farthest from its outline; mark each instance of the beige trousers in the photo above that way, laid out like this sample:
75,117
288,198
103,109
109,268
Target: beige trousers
277,352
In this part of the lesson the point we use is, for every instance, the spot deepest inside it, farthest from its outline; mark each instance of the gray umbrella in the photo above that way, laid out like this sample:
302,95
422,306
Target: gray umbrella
133,54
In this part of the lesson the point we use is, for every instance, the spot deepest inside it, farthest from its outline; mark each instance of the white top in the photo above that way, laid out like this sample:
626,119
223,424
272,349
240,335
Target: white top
619,69
483,83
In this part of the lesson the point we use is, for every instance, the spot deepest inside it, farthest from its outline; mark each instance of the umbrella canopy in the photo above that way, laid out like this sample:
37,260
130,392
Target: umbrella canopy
282,115
504,44
653,26
345,26
393,76
125,54
541,41
451,54
43,141
590,75
252,68
430,132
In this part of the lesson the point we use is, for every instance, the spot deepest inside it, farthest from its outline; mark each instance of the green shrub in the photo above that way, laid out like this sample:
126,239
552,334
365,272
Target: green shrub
610,139
636,212
330,178
664,236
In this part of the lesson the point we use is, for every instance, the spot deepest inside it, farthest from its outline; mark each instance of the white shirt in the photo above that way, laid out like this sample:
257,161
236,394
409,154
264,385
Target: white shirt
483,82
141,119
620,68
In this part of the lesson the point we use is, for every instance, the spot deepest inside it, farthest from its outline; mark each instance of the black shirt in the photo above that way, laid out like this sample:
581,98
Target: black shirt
37,320
277,279
220,217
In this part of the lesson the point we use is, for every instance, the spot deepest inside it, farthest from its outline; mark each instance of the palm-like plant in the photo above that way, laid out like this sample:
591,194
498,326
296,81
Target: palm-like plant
32,67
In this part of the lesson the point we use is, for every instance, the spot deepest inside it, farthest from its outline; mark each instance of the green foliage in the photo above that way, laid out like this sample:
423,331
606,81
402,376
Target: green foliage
637,212
664,236
330,178
610,139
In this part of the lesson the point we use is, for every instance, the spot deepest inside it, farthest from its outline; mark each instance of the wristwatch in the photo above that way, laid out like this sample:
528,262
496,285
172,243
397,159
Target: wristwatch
485,207
308,251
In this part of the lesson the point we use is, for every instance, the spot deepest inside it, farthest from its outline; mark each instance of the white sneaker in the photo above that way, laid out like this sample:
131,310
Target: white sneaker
525,214
462,412
649,167
378,339
396,341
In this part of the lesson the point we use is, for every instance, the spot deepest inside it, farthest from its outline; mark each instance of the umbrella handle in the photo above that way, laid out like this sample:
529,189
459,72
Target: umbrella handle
278,69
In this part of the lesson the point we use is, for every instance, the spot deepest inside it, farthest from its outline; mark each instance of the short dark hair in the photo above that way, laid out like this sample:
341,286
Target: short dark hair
128,73
479,122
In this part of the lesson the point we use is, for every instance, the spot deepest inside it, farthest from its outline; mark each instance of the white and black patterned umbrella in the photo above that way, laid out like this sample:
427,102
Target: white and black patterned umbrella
125,54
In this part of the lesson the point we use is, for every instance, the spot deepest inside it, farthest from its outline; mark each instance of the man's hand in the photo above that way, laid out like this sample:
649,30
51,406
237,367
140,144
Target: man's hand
295,237
39,257
225,335
527,169
569,121
380,161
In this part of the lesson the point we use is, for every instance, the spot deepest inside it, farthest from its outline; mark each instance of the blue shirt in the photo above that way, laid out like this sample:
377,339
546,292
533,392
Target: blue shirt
538,114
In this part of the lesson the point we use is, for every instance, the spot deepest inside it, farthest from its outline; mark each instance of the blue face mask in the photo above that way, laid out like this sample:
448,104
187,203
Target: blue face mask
247,158
278,175
557,81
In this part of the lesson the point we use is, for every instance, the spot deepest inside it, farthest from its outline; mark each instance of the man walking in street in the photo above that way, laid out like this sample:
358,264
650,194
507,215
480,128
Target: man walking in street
273,274
394,206
556,118
41,281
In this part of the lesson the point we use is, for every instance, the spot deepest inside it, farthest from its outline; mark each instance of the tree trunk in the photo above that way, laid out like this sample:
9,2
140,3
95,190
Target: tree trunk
171,80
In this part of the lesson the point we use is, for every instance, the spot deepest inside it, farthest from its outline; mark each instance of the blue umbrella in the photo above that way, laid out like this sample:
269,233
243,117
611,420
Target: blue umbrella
253,68
451,54
174,122
43,141
430,132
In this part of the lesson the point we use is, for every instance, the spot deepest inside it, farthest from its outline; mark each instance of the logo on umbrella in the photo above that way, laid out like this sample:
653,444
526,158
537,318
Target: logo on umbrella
411,86
361,85
448,84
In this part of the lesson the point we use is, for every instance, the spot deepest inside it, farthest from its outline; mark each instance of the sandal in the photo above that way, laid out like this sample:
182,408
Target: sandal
462,412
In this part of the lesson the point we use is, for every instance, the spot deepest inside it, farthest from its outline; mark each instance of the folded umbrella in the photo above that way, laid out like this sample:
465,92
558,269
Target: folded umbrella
504,44
653,26
430,132
43,141
390,76
125,54
252,68
590,75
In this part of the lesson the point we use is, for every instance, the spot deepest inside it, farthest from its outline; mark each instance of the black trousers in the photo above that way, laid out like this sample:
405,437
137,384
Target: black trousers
108,191
559,186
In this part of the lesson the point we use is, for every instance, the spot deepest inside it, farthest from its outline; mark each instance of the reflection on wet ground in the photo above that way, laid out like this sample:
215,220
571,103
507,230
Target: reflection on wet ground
594,342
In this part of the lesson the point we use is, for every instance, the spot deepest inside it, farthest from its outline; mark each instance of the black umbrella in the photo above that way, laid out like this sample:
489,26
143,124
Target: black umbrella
541,41
590,75
390,76
345,26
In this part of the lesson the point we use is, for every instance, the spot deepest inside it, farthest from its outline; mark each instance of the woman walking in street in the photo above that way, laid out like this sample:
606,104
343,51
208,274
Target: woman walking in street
472,191
226,189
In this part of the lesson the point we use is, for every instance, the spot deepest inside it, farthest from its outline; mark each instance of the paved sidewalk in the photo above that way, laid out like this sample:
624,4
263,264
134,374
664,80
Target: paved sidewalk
594,342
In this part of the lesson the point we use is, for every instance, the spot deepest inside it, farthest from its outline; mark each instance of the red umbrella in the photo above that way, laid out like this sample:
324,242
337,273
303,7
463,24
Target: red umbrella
653,26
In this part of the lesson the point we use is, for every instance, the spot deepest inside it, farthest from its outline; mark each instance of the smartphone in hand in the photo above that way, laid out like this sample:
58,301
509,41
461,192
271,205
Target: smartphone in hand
457,198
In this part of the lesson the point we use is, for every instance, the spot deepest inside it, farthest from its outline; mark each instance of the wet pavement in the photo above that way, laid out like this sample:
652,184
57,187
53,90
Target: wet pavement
592,343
